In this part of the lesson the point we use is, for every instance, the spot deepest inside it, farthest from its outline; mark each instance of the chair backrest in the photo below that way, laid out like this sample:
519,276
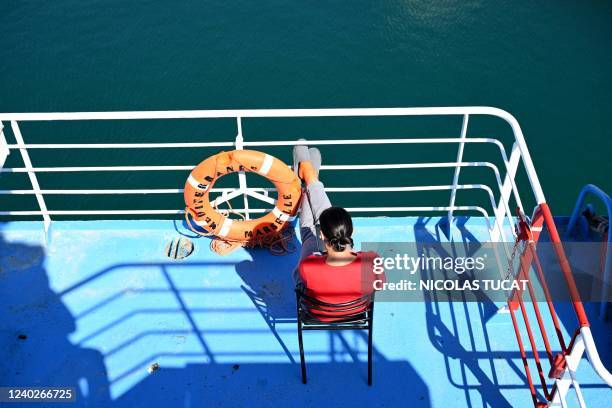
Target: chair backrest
344,311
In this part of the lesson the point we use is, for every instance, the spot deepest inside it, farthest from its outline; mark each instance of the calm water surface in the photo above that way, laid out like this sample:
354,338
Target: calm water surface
548,63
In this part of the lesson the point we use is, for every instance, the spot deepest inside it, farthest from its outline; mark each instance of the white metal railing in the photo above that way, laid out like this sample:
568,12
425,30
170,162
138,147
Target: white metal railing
499,195
500,206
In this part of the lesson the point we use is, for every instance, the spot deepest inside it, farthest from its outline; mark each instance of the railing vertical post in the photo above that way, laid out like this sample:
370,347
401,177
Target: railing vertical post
506,189
464,126
31,174
241,175
4,150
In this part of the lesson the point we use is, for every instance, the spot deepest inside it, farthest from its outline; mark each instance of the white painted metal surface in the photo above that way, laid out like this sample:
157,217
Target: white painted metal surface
593,355
32,175
4,149
568,381
459,160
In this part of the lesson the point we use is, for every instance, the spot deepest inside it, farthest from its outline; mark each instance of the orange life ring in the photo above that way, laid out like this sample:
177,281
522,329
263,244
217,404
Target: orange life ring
260,230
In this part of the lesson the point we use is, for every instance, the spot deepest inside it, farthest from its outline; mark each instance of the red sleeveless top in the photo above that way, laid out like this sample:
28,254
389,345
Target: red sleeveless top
338,284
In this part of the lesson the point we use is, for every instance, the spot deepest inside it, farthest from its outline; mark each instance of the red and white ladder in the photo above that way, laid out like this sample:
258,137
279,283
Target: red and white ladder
565,363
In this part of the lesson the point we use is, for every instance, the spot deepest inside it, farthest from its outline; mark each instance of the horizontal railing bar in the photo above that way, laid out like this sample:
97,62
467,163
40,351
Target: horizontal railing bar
262,143
426,208
370,141
172,168
121,191
400,166
257,113
101,192
242,210
95,168
118,145
399,189
94,212
227,190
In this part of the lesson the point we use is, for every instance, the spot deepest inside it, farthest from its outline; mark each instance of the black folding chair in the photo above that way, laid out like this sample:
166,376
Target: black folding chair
354,315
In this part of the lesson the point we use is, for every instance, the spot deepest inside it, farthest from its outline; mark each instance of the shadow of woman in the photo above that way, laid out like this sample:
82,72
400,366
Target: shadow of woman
34,347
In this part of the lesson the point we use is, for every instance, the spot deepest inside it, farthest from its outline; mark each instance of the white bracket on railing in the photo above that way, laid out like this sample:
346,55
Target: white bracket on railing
32,175
4,150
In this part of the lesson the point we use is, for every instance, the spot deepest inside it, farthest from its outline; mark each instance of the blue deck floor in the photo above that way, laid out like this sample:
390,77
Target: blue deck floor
101,302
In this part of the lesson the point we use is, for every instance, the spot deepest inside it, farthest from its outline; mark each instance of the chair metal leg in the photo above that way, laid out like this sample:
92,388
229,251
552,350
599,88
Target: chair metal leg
302,360
350,321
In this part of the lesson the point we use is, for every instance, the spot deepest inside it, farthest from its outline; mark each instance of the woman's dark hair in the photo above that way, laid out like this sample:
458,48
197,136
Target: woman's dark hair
337,226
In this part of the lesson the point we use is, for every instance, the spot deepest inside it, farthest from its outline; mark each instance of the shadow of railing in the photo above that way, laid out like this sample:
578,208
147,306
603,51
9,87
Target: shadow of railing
445,335
221,353
447,327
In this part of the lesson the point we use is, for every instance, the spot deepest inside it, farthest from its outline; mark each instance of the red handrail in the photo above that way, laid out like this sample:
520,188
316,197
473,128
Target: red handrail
530,234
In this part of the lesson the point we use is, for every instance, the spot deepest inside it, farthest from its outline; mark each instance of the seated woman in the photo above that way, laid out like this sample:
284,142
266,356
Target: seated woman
329,269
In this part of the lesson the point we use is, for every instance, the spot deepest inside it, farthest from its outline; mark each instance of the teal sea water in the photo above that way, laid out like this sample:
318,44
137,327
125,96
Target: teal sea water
548,63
